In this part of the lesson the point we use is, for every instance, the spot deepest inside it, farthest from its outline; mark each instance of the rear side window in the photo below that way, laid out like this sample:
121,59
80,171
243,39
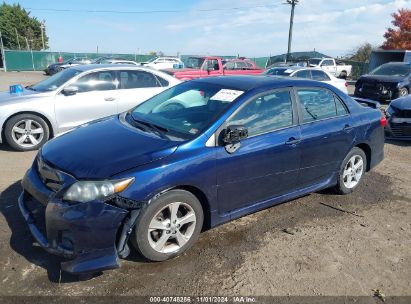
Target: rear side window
137,79
319,104
319,75
265,114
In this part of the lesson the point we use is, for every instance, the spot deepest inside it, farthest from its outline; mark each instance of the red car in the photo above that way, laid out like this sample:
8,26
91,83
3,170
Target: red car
199,67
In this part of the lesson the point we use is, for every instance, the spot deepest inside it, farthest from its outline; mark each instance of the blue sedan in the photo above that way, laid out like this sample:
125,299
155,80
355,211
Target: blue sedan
195,156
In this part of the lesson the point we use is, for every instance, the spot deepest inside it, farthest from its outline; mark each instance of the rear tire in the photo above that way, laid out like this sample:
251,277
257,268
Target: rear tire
343,75
26,132
168,226
351,172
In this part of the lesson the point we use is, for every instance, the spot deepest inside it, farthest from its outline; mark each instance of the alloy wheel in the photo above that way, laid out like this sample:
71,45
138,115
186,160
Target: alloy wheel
172,227
27,133
353,171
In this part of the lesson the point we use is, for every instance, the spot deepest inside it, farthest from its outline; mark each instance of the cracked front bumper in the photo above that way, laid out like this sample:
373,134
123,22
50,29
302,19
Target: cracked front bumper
83,233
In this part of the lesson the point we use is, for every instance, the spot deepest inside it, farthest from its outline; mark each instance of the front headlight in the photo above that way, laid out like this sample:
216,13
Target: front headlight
86,191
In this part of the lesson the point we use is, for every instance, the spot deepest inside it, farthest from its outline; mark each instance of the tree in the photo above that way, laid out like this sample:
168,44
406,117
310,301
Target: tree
399,38
361,53
15,18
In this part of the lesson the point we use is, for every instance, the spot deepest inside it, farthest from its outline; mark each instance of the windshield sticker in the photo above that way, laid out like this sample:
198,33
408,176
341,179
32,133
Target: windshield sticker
226,95
288,71
193,131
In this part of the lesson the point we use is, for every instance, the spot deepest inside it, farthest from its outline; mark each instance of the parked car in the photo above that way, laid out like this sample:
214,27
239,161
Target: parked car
332,66
388,81
155,176
399,118
103,60
161,63
300,63
57,67
74,97
120,61
309,73
199,67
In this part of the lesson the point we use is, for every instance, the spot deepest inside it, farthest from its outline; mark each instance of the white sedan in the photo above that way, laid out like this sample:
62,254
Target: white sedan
73,97
309,73
161,63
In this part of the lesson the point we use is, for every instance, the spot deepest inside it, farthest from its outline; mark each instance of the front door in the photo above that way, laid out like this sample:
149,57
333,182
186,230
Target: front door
96,98
267,163
327,135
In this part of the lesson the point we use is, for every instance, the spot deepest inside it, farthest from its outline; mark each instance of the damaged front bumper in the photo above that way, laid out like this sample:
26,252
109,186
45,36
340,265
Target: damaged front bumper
85,234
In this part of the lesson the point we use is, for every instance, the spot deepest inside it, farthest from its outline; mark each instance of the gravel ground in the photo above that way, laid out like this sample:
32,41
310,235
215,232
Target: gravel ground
325,251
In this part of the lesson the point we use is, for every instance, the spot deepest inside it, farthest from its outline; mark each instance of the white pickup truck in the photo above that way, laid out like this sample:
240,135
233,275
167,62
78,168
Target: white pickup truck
337,68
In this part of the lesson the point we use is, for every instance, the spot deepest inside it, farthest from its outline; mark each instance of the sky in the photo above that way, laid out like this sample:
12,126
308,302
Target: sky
252,28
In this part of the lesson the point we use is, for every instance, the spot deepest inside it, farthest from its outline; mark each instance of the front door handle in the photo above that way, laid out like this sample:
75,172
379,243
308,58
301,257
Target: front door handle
109,99
293,141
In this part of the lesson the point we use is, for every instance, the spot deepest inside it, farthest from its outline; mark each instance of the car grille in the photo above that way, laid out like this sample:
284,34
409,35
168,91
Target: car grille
401,130
49,176
38,213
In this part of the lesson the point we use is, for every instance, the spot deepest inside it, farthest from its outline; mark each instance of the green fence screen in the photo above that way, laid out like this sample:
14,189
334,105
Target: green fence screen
39,60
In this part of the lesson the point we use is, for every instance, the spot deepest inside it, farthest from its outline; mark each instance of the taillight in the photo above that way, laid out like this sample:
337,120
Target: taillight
346,84
383,119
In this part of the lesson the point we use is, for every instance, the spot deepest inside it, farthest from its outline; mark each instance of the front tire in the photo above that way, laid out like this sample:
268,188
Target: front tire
403,92
352,170
26,132
168,226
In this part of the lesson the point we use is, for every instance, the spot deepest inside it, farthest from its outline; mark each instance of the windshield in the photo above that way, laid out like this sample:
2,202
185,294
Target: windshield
314,61
278,72
195,62
55,81
392,70
187,109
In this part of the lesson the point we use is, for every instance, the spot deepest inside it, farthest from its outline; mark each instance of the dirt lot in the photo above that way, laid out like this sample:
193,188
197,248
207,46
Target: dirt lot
330,253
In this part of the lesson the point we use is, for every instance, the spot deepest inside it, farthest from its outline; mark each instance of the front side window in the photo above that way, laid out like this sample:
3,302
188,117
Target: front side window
265,113
98,81
211,64
319,75
137,79
327,63
319,104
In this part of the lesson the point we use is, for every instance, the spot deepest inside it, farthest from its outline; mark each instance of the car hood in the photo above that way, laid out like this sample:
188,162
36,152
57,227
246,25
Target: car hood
381,78
8,98
104,148
403,103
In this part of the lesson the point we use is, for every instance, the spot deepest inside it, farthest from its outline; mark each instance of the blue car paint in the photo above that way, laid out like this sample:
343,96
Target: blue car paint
266,170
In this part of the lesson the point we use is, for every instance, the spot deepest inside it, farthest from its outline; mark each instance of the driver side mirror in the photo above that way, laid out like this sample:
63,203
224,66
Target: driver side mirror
234,134
70,90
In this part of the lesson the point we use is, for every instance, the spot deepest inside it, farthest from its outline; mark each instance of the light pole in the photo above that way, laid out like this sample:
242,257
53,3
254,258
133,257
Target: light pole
42,27
293,3
3,54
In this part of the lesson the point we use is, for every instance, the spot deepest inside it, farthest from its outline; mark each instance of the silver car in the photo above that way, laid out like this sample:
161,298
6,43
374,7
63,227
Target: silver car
73,97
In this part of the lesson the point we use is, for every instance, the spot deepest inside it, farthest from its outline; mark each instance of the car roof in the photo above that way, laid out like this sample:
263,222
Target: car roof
297,68
91,67
398,63
248,82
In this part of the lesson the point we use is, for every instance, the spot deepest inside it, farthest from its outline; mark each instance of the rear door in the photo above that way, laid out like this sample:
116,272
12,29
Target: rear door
266,164
327,134
96,98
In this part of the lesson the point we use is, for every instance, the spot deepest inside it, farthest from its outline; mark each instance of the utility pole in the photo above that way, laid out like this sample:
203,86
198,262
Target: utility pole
293,3
17,36
42,27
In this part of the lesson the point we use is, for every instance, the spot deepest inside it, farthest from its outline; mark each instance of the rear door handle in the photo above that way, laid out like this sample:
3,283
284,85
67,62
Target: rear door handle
293,141
109,99
348,128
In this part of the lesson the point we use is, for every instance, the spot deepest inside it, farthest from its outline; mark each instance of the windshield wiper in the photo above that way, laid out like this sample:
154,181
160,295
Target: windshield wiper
311,114
159,130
